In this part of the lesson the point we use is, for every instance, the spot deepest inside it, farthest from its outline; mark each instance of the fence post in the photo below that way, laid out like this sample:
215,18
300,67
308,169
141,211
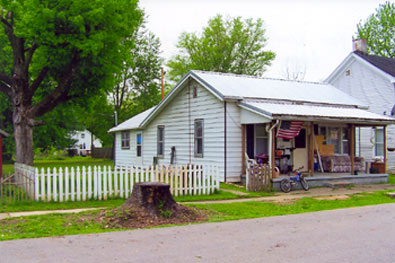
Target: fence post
60,184
83,183
36,184
66,184
72,183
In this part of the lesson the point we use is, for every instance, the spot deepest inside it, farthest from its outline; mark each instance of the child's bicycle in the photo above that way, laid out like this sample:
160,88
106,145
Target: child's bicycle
287,183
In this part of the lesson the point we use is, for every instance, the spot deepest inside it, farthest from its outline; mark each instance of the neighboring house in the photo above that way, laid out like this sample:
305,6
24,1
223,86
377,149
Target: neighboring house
84,140
216,118
371,79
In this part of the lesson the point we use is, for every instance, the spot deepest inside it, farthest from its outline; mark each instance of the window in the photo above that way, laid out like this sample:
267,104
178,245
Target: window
125,140
337,136
379,142
139,140
194,91
198,138
82,135
160,141
261,140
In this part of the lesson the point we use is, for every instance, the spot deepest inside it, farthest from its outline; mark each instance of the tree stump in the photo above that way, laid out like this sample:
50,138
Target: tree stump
153,199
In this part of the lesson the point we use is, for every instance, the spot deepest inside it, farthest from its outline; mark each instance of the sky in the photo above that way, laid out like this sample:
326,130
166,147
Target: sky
310,36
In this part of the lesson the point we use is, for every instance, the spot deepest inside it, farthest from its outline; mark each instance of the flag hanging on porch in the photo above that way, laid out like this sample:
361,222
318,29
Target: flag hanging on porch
289,129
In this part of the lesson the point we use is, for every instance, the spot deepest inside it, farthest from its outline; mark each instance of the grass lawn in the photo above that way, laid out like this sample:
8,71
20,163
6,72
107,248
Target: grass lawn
69,224
67,161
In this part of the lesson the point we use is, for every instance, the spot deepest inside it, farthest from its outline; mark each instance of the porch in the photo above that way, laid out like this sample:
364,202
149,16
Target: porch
326,150
333,179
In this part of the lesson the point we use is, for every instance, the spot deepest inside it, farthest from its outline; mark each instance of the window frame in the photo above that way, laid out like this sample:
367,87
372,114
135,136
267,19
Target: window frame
139,145
158,141
342,150
376,130
264,137
196,138
125,142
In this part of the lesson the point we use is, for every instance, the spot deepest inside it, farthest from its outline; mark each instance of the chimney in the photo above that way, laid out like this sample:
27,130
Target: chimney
360,45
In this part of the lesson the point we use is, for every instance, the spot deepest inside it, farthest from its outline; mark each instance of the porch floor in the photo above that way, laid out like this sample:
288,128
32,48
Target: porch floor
322,179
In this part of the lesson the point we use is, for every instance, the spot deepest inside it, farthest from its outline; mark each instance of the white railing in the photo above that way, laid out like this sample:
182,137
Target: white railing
103,182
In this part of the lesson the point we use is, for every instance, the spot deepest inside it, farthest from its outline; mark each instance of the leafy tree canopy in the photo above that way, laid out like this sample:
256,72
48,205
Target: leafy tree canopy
60,51
379,31
225,45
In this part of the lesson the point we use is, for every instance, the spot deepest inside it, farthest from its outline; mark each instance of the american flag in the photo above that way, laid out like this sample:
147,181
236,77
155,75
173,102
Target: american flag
289,129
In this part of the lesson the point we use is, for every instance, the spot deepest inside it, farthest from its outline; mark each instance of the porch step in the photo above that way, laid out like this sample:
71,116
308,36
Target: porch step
337,184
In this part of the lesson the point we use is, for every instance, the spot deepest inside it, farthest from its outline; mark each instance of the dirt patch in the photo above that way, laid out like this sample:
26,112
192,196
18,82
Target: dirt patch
332,197
138,218
8,222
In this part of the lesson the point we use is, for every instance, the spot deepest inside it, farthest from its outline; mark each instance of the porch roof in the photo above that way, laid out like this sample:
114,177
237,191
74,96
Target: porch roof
311,112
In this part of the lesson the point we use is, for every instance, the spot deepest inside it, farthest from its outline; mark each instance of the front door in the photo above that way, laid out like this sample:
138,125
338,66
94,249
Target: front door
300,152
139,148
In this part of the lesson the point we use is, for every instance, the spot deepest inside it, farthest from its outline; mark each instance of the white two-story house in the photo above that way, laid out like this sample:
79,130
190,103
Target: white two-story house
371,79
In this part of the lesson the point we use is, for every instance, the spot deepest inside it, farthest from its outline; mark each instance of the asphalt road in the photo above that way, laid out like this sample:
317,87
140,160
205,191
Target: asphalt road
364,234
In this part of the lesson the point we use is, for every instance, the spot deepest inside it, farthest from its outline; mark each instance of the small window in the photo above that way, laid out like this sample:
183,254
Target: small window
82,135
139,140
125,140
348,72
198,138
194,90
160,141
379,142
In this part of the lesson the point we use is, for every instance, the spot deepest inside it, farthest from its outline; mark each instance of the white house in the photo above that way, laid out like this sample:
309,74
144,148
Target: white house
84,140
371,79
216,118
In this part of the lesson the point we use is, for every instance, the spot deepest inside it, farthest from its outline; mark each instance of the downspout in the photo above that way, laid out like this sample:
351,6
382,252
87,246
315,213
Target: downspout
225,168
269,130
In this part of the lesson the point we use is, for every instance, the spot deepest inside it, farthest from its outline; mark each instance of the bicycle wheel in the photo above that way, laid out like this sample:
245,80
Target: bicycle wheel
304,183
285,185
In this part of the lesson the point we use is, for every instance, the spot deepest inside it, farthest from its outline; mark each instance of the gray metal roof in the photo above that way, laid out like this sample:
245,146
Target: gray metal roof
231,85
132,123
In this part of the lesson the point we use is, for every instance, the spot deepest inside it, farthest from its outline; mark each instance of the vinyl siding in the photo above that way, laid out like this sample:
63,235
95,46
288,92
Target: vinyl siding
374,91
178,119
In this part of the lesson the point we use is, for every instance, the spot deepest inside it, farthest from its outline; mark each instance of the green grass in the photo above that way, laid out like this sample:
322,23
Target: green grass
68,161
244,210
242,189
70,224
391,179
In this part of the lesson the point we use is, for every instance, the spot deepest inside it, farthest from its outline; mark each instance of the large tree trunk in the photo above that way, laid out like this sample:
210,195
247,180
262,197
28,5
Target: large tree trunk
23,140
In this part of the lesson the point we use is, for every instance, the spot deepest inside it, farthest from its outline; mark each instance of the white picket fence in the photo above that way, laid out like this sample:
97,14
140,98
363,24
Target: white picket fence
103,182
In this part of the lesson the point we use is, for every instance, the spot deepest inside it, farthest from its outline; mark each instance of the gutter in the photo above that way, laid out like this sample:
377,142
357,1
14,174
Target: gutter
269,130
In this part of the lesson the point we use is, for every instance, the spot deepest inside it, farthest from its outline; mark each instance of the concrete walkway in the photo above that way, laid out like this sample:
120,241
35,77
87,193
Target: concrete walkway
361,234
281,198
318,193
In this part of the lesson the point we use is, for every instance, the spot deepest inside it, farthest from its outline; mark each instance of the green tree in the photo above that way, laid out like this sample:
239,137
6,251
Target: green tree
138,86
379,31
225,45
61,51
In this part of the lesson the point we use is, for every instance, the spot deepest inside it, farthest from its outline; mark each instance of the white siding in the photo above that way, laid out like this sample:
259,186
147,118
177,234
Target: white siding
178,116
125,156
375,91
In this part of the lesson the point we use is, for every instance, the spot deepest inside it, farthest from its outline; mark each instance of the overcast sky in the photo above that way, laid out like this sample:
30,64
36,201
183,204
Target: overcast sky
309,35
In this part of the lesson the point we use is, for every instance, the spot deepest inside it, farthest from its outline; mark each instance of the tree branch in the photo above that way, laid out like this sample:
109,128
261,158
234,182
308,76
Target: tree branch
31,53
36,83
59,94
4,78
5,89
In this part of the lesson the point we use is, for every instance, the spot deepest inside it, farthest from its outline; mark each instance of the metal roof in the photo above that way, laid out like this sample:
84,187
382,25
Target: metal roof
231,85
132,123
318,112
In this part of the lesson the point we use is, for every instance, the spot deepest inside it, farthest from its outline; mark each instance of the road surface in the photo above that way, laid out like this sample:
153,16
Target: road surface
363,234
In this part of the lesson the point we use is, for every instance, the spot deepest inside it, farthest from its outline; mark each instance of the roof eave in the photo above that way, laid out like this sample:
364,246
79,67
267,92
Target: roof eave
366,121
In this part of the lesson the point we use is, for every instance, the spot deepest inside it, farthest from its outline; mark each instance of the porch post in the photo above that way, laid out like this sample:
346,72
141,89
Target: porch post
243,149
1,157
352,147
272,153
385,148
311,150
